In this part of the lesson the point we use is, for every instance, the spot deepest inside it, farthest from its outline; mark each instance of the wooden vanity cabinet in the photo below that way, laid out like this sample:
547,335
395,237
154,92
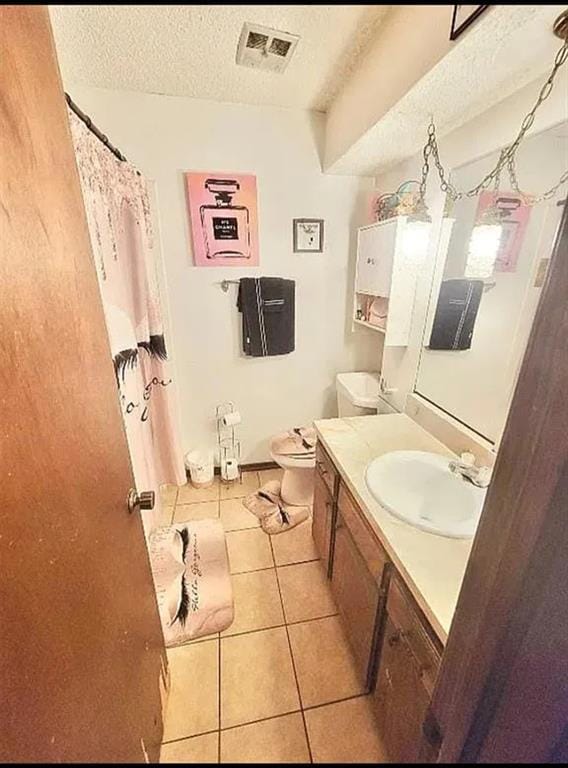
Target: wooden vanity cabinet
325,487
409,661
395,649
358,581
326,470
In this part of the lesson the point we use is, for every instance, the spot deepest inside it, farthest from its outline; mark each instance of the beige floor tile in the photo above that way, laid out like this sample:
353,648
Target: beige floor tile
249,550
257,677
204,639
199,749
166,516
270,474
332,742
187,494
305,591
168,494
280,740
257,602
235,516
193,703
294,546
324,664
200,511
248,484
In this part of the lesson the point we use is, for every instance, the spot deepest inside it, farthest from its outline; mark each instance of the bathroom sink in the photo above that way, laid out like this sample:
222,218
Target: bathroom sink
419,488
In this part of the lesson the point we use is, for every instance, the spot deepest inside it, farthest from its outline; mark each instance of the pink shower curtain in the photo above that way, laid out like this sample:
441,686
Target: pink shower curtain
118,216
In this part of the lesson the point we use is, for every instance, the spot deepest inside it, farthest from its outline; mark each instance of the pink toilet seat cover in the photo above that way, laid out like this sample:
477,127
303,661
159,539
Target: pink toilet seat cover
297,442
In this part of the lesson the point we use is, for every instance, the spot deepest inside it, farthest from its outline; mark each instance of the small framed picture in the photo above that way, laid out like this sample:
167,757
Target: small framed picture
463,16
308,235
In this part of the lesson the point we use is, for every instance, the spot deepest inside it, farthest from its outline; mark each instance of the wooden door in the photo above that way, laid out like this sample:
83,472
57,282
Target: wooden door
357,596
409,661
508,702
81,645
401,699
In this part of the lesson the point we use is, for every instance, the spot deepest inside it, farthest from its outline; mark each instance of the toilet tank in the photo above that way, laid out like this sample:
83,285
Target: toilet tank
358,394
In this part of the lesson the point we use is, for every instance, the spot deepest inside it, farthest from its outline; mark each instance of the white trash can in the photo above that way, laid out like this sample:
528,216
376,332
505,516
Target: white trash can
201,467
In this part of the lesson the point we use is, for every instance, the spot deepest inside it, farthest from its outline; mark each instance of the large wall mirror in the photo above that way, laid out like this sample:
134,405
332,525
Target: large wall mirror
492,259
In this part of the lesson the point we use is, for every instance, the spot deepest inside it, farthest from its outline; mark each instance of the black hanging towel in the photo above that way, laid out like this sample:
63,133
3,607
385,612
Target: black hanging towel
267,305
456,312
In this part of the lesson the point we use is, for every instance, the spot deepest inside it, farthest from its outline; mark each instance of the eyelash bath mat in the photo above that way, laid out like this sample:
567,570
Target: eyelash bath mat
191,573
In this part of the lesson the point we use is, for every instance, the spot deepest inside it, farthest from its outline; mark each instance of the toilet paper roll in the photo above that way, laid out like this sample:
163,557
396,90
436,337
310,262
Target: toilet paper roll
232,418
230,469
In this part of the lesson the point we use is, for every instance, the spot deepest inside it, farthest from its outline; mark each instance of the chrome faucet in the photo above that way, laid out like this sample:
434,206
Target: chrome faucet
480,476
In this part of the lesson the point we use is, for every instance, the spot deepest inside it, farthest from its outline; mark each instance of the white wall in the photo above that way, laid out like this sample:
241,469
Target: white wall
165,136
491,130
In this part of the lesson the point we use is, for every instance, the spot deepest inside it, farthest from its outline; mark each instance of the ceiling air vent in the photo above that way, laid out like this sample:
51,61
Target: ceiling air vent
265,48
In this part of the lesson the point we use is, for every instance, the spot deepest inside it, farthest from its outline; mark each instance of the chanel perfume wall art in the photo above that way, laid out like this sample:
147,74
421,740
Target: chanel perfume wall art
513,217
308,235
223,214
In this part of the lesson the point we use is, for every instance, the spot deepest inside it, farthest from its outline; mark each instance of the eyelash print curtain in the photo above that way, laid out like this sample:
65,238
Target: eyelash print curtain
119,221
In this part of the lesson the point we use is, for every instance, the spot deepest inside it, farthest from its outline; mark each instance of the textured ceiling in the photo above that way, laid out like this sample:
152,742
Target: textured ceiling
189,50
506,49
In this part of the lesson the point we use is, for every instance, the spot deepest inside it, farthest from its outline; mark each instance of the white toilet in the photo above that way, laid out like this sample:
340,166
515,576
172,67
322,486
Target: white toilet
298,479
357,393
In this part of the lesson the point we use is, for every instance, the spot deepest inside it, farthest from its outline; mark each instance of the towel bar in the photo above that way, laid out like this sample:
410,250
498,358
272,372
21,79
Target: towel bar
226,283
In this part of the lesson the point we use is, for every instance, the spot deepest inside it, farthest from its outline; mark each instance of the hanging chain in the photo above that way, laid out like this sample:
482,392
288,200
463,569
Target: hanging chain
507,158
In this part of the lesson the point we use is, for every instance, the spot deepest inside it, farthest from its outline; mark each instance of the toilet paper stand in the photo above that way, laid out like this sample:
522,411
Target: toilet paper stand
227,417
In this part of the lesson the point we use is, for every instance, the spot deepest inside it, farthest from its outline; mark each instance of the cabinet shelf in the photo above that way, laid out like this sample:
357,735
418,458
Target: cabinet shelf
389,255
369,325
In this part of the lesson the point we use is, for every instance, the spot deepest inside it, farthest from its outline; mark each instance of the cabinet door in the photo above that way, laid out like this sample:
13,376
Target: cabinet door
357,596
322,519
401,699
375,254
324,466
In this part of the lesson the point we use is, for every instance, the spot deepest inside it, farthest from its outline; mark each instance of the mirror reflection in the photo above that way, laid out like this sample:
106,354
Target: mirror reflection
493,254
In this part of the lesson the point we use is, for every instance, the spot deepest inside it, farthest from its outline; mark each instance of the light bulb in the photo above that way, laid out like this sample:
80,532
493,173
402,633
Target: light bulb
483,250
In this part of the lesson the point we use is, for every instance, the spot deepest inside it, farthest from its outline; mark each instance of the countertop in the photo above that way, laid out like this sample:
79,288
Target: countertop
432,566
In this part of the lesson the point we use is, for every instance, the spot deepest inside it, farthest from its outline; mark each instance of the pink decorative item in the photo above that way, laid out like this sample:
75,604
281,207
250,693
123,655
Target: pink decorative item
514,223
224,219
275,516
373,199
378,311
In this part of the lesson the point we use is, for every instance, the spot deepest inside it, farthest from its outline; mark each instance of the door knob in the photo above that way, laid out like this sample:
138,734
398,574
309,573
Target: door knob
144,500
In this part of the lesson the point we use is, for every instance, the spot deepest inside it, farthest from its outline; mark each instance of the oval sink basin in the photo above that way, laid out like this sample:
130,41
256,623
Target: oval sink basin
419,488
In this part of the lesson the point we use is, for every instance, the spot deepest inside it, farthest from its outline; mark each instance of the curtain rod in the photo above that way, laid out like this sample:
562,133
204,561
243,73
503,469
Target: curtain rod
93,128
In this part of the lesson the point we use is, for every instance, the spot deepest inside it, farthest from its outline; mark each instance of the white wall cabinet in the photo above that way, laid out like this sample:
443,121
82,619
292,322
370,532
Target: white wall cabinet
389,255
375,253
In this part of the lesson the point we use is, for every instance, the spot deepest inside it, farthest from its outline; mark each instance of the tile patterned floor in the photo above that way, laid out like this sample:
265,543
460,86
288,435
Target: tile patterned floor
260,693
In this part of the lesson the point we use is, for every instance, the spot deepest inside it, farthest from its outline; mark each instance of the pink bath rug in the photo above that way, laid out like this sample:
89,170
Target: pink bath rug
191,573
274,515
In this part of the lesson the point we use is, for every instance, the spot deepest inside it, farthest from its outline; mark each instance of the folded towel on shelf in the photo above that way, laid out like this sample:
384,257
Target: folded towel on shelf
267,305
274,516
